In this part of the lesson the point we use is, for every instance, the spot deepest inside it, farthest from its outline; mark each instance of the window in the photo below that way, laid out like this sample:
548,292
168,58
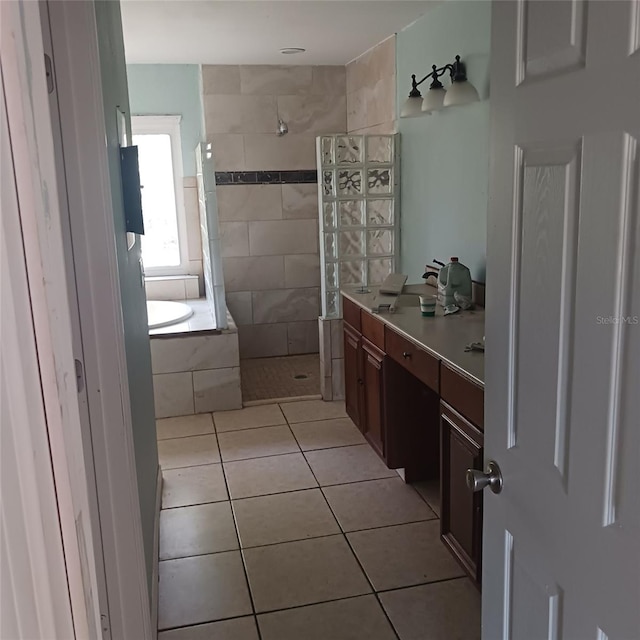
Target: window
164,244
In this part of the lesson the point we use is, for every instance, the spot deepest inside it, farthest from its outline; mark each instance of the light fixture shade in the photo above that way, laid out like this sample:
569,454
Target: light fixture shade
412,107
461,93
433,100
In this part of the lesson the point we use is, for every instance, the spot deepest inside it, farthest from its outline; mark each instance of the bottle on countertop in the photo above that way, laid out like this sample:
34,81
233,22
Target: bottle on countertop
454,278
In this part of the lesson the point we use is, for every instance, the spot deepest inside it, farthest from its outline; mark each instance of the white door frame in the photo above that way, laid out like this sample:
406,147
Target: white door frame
40,360
89,197
35,598
110,470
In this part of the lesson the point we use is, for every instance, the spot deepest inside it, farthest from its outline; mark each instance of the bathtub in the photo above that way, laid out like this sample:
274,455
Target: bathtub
163,313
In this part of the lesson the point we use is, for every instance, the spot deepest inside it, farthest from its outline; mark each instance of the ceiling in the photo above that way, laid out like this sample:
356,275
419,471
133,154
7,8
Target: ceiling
254,31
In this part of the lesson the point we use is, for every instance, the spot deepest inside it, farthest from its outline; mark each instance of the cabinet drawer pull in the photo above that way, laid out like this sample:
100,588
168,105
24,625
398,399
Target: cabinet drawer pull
406,355
360,381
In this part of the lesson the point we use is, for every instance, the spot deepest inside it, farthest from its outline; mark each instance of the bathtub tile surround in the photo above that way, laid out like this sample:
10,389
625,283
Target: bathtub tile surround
173,394
266,188
217,389
194,352
185,287
195,370
194,242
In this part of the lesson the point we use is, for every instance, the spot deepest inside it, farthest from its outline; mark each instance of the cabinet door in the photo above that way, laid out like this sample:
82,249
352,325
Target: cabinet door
373,375
461,509
353,383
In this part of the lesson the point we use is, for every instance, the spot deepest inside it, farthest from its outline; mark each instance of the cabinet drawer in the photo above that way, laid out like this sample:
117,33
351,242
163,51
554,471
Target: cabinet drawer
463,395
351,313
414,359
372,329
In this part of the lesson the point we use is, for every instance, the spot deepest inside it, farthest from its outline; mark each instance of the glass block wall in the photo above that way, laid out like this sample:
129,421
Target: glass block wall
358,197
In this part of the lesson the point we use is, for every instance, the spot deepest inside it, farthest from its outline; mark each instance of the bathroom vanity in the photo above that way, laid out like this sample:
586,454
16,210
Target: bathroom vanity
418,399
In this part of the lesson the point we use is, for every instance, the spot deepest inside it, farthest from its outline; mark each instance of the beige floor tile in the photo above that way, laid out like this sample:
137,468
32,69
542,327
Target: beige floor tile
195,425
257,443
267,415
202,589
404,555
430,491
304,572
283,517
376,503
325,434
263,476
188,452
447,610
312,410
347,464
193,485
197,530
236,629
359,618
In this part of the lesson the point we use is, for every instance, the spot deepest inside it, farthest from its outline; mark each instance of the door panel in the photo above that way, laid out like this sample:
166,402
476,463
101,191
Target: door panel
546,249
562,332
373,394
552,39
352,374
536,601
461,519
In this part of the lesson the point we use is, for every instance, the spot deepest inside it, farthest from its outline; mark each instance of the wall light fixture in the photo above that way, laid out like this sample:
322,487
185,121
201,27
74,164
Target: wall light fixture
460,92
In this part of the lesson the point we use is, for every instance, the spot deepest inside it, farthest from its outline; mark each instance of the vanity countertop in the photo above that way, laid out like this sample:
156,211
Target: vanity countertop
444,336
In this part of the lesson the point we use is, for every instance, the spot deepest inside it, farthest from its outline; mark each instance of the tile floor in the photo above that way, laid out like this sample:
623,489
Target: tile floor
279,522
275,378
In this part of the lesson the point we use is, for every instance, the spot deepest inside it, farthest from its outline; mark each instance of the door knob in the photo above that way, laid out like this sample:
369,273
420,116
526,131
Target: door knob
477,480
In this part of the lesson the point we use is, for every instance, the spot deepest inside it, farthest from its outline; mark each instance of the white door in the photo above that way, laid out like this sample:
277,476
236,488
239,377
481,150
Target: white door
562,539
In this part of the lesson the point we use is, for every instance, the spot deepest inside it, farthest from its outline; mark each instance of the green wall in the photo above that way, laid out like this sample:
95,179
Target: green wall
170,89
134,311
445,156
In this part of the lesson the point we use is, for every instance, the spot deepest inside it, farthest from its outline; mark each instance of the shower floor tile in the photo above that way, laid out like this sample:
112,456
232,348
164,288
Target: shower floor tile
280,378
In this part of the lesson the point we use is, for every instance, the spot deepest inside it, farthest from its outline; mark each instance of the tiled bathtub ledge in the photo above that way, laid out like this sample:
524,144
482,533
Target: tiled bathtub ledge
195,371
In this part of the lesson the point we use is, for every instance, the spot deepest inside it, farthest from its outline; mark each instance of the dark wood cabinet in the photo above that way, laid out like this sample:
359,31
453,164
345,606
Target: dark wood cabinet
353,382
461,509
420,414
374,413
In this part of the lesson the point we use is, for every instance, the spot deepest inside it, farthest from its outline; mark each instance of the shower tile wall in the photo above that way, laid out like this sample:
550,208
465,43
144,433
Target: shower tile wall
269,232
